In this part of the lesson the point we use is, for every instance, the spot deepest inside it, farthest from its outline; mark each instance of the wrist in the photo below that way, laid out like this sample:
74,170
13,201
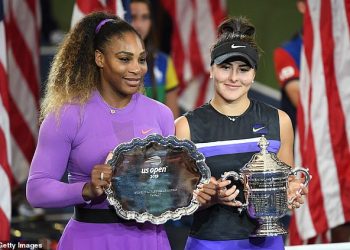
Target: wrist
87,193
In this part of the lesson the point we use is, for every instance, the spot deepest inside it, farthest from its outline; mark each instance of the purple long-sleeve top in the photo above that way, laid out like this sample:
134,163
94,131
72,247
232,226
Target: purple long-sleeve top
80,138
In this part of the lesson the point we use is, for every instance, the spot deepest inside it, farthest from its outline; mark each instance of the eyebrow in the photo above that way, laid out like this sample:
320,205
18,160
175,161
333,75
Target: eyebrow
242,64
128,53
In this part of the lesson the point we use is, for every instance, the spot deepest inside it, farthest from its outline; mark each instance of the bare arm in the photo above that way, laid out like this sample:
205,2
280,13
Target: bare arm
285,153
182,129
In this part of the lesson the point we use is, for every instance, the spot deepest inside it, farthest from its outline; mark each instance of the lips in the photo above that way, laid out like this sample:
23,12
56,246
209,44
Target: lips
232,86
133,82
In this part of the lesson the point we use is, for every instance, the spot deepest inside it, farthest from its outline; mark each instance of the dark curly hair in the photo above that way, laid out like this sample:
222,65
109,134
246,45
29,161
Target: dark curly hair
74,73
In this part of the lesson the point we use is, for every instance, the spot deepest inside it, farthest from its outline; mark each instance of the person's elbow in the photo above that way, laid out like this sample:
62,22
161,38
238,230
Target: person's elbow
34,193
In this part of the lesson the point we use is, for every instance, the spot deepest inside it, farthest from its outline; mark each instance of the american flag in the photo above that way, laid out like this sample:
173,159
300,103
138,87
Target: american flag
322,142
194,32
84,7
19,102
5,137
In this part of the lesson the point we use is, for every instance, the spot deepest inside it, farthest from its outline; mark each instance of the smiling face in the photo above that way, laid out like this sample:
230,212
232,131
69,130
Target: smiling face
232,80
123,65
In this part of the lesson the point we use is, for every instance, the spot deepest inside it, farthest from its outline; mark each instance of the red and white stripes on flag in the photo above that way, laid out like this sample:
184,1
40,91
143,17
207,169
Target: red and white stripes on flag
19,97
5,149
84,7
322,142
22,25
194,32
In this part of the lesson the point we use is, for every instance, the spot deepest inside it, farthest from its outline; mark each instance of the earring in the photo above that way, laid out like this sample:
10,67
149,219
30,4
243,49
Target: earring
253,81
211,76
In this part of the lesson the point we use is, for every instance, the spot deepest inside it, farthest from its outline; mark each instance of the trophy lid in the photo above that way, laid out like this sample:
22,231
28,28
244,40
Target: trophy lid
264,161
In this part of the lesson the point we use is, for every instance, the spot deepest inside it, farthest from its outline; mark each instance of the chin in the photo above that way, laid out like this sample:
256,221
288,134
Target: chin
231,98
132,90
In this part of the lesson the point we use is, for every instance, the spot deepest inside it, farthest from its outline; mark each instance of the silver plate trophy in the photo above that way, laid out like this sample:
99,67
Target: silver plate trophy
265,179
154,178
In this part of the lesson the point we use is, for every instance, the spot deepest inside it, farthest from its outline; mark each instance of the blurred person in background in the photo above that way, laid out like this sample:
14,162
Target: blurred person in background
287,65
161,82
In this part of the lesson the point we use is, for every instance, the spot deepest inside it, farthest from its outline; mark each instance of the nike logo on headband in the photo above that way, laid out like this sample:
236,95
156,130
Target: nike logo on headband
233,46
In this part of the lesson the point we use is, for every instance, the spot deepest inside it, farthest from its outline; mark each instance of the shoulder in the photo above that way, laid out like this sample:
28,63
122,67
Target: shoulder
153,105
287,138
284,118
201,111
182,129
68,113
286,127
145,100
264,107
65,122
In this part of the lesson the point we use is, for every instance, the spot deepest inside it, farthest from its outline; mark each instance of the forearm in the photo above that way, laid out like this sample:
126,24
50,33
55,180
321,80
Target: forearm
48,193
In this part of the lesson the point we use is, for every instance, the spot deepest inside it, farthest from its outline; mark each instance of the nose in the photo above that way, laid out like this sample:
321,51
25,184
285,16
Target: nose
135,67
233,75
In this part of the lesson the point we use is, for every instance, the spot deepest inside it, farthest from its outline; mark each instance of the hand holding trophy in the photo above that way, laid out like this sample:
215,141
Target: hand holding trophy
266,181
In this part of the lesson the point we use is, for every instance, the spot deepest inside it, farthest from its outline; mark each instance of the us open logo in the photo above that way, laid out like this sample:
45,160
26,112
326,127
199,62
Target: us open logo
154,160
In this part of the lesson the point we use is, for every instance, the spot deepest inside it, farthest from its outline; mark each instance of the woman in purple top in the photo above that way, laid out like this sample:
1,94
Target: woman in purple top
92,104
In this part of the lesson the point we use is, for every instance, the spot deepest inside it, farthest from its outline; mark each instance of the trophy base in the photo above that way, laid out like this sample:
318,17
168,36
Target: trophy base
269,227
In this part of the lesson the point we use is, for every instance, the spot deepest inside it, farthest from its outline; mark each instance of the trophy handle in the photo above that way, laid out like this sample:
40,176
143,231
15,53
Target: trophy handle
306,182
237,177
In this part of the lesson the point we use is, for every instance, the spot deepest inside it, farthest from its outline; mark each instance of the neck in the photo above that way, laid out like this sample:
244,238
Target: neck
115,99
234,108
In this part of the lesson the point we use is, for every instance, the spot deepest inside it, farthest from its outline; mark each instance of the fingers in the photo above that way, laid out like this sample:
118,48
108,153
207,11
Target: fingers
304,190
210,185
216,191
101,176
233,203
233,196
295,193
228,194
206,193
294,205
203,198
222,184
213,181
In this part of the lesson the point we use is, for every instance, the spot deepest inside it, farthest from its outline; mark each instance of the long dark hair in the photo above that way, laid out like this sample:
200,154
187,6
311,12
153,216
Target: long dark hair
74,74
